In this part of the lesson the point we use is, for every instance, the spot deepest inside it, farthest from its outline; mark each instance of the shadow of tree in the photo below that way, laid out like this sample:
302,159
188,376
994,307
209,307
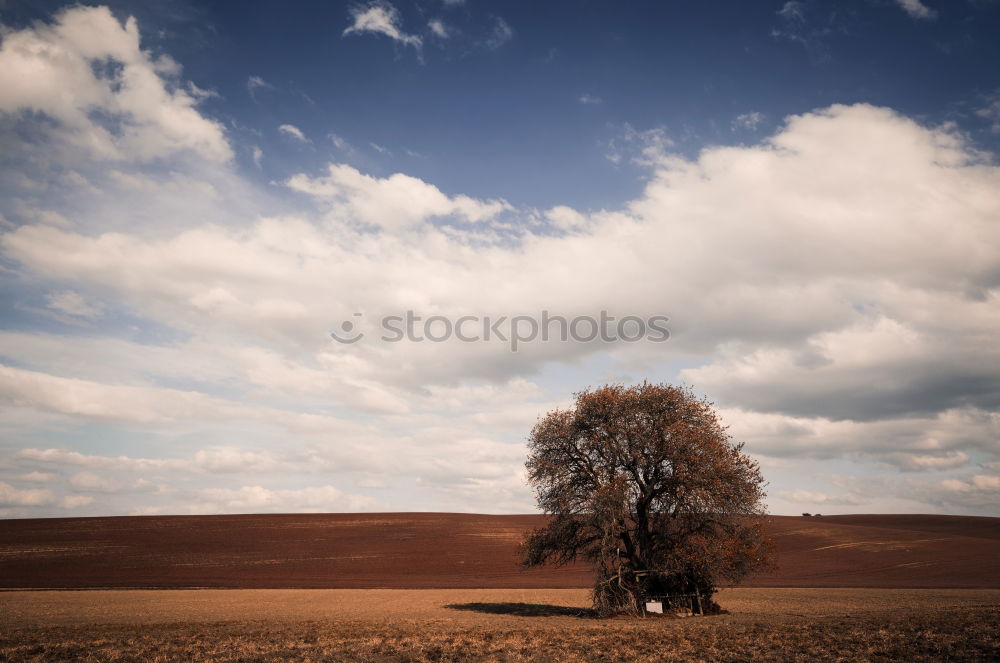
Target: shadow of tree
525,609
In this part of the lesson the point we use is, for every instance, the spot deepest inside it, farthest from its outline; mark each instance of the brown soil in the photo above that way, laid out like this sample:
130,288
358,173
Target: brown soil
435,550
502,625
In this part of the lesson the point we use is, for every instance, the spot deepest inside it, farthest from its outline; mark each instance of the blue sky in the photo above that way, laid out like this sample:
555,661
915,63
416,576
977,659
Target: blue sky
193,197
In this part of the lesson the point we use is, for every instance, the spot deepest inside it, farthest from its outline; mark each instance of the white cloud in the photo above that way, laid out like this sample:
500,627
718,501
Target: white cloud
257,155
232,459
646,148
84,398
255,83
86,64
11,496
501,34
94,483
590,100
380,18
199,93
437,26
818,498
258,499
872,369
917,9
37,477
981,483
339,142
792,11
445,458
980,492
728,199
941,441
807,24
918,462
213,460
73,303
749,121
396,202
142,404
992,111
48,217
565,218
75,501
832,285
294,132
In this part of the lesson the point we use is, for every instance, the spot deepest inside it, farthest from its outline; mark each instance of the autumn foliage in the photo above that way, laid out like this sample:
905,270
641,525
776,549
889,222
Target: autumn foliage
646,484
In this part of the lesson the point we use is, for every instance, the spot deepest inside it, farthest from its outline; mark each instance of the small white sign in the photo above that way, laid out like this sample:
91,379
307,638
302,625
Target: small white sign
654,606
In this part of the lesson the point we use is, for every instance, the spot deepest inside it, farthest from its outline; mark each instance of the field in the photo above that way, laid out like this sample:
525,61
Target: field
441,550
444,587
492,625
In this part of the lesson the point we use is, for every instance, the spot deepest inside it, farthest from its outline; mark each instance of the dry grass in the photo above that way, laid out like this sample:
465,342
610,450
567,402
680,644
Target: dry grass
492,625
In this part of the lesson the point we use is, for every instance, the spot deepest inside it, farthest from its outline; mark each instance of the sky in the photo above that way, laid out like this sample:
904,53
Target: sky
298,258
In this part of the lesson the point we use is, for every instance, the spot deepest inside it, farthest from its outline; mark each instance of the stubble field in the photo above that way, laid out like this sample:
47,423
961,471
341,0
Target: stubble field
492,625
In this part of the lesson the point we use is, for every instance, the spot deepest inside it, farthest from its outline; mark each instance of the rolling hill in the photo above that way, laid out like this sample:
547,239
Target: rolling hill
446,550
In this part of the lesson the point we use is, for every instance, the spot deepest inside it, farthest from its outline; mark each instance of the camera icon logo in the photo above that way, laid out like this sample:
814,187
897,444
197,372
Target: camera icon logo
347,329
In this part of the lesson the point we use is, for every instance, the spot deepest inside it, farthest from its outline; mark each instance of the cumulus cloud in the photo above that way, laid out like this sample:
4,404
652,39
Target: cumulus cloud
874,369
977,494
981,489
87,72
11,496
380,18
819,184
396,202
934,442
565,218
832,169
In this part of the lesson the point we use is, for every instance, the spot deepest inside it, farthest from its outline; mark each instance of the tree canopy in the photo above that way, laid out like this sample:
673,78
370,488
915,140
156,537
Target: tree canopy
646,483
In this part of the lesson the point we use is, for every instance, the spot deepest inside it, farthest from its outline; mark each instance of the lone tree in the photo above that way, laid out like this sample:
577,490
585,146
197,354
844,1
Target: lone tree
645,483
